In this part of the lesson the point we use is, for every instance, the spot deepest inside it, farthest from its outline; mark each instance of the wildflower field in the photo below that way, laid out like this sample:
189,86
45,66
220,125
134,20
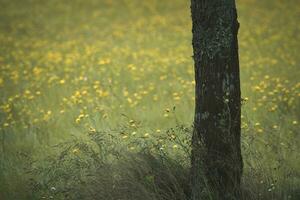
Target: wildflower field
97,99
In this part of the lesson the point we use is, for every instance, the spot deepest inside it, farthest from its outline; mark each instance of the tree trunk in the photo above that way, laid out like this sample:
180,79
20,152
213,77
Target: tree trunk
216,153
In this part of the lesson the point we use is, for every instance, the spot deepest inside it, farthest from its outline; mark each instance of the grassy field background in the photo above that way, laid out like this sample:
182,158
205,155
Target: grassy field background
117,76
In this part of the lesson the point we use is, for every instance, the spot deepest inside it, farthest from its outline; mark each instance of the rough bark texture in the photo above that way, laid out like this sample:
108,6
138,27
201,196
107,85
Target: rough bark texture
216,154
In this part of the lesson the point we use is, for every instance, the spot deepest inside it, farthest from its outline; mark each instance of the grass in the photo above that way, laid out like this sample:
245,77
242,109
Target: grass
97,99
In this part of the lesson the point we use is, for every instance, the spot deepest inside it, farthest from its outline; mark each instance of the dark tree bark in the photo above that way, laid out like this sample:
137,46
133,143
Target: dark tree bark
216,153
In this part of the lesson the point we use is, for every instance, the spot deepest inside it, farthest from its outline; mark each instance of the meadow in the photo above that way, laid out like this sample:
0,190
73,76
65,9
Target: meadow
97,99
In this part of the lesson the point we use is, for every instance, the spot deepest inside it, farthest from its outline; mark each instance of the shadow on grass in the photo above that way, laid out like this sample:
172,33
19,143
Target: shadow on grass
136,176
102,167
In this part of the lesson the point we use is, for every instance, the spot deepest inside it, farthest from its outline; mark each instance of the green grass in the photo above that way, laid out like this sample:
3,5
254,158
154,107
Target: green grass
122,71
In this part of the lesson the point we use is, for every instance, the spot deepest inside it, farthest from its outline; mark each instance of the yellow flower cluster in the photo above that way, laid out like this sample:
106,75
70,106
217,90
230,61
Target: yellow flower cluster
83,79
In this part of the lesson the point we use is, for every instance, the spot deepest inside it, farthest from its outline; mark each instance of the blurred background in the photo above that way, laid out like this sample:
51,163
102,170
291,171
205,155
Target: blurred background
73,68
